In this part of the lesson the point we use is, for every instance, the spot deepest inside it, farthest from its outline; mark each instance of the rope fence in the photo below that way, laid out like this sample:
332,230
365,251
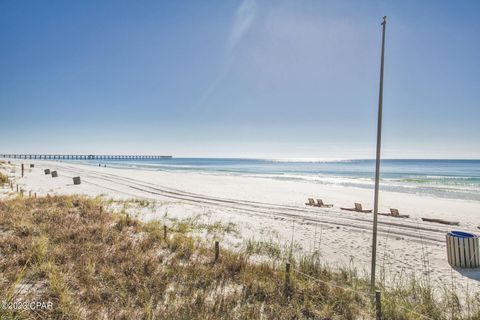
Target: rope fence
376,297
368,294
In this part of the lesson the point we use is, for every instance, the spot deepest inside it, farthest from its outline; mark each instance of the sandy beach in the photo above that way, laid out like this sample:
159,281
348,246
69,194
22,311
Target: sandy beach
272,210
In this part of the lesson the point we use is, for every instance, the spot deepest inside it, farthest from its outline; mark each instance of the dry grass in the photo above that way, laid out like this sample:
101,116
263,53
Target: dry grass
3,179
97,265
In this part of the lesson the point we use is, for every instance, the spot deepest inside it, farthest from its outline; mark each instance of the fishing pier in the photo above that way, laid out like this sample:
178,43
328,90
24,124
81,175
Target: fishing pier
82,157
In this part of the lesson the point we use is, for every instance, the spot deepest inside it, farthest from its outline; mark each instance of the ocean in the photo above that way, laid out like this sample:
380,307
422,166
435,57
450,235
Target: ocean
457,179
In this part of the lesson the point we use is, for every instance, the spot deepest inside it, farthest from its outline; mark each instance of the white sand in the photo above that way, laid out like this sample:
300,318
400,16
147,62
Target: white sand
268,209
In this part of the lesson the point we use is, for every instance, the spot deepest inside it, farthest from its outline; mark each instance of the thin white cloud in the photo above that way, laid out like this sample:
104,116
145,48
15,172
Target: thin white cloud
244,17
243,20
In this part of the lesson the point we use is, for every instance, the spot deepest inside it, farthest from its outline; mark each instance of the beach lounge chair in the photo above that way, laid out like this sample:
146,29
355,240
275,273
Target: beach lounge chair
358,208
323,205
394,213
450,223
310,202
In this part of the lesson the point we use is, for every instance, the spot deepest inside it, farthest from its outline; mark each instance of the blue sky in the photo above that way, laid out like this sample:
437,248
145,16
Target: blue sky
246,78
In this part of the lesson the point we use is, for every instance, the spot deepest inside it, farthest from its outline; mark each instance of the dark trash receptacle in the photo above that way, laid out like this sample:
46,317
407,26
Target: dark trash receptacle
76,180
47,171
32,165
463,250
54,174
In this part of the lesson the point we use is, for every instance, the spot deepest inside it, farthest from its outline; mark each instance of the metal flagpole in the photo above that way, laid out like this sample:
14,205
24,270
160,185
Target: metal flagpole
377,162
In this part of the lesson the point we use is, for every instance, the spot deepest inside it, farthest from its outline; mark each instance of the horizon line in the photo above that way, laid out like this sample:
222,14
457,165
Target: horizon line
293,159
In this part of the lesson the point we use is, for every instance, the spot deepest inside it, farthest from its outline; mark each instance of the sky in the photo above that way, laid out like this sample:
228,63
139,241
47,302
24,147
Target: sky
246,78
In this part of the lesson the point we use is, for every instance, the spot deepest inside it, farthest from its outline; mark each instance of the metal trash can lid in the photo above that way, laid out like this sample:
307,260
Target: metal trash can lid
461,234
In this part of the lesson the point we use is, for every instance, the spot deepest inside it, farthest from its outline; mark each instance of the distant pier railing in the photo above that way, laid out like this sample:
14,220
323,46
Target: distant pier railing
82,157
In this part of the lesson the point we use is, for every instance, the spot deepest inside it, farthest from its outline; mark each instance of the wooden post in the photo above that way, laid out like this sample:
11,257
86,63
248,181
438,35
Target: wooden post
378,305
217,250
17,188
30,193
22,169
35,195
287,278
165,232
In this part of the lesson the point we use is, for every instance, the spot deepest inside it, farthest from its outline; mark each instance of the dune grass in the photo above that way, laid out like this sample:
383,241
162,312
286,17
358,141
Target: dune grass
93,264
3,179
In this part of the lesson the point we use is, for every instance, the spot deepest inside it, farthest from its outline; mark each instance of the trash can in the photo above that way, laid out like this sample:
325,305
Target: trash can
47,171
463,249
54,174
76,180
32,165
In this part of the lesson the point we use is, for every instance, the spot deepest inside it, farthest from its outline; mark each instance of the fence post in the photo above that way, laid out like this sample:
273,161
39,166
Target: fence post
217,250
30,193
35,195
165,232
287,278
22,170
378,305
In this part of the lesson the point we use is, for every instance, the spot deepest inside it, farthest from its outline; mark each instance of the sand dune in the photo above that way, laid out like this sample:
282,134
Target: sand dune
267,209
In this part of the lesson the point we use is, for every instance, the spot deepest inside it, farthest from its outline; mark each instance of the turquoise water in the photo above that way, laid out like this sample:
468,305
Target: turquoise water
458,179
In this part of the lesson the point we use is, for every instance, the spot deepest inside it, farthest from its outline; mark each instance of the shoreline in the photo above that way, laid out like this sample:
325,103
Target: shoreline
272,210
291,192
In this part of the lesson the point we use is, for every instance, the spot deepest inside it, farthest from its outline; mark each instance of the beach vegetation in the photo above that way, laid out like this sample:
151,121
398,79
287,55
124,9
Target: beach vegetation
3,179
96,264
269,249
